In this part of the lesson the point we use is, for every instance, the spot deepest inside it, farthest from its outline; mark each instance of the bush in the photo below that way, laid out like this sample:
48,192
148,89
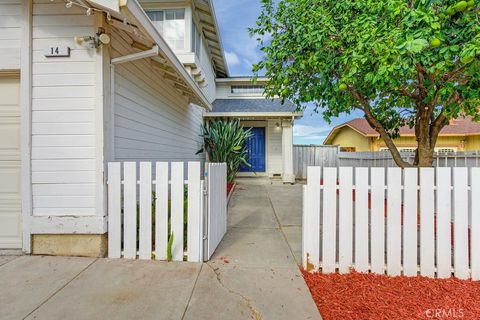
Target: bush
224,141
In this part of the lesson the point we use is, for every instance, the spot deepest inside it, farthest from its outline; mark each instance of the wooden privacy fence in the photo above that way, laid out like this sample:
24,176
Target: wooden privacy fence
313,155
393,221
155,216
384,159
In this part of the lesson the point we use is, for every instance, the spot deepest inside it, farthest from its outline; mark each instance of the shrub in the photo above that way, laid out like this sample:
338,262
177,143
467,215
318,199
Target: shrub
224,141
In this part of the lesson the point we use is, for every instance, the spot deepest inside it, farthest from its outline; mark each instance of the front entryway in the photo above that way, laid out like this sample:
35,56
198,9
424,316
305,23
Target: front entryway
10,201
256,151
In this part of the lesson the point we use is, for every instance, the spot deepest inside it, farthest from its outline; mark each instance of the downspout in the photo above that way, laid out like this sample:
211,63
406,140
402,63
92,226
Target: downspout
115,61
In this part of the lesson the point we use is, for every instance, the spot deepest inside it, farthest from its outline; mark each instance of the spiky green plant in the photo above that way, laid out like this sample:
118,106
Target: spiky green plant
169,247
224,141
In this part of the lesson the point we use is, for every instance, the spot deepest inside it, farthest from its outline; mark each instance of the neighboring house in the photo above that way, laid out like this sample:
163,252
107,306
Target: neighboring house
83,83
357,136
271,145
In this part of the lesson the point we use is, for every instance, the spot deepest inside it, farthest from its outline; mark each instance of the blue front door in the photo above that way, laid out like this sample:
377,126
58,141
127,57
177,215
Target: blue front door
256,151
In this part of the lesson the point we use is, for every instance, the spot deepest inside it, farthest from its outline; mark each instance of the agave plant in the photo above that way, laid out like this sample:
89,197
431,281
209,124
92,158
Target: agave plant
224,141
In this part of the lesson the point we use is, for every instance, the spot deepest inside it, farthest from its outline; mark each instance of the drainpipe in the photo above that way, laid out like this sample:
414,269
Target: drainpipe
115,61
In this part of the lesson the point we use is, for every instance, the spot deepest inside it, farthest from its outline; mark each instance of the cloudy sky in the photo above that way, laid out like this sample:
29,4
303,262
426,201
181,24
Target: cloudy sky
234,17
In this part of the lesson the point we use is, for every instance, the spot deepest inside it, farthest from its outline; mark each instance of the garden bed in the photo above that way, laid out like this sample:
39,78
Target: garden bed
369,296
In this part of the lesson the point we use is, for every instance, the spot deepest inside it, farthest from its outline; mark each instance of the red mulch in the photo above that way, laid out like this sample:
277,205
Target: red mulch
229,187
367,296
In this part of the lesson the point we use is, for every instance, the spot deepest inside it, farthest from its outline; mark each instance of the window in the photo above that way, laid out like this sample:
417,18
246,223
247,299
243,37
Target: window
171,25
446,150
347,149
247,89
196,42
401,149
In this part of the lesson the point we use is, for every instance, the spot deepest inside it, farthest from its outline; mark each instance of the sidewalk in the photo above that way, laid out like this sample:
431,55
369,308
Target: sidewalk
253,274
254,269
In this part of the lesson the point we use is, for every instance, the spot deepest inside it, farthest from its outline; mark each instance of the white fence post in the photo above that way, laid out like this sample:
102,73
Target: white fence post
114,211
161,210
378,220
177,207
394,222
475,228
145,228
410,222
361,220
130,210
427,208
195,228
329,220
345,217
311,255
460,222
444,205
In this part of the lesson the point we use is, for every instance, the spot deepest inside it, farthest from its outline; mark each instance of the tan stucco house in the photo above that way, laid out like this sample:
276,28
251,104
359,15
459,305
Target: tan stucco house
357,136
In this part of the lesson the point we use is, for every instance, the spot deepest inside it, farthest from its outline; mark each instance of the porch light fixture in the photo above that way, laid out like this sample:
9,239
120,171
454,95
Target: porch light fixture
100,38
277,125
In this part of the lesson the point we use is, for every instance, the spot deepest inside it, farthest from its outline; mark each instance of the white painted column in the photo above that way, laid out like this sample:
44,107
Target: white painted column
287,152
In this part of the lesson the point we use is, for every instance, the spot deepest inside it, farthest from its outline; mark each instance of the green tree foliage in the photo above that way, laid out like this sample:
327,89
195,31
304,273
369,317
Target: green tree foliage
224,141
401,62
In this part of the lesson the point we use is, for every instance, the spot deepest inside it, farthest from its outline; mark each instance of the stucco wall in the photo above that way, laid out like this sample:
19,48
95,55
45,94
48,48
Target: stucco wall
347,137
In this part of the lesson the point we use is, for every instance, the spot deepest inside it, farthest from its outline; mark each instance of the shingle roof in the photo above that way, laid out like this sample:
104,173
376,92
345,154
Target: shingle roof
252,105
461,126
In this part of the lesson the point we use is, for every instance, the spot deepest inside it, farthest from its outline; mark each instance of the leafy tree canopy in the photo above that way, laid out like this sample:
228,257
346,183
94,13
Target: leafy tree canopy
402,62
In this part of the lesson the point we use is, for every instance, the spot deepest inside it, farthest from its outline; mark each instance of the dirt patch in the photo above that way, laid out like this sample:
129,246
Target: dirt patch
369,296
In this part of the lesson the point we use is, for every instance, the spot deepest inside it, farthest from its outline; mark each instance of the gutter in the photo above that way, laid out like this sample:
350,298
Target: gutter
253,114
145,23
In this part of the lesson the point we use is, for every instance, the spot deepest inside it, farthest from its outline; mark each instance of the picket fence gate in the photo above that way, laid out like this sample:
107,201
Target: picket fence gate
394,221
144,211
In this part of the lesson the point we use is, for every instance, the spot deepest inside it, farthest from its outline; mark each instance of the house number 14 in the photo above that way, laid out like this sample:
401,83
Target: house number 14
57,52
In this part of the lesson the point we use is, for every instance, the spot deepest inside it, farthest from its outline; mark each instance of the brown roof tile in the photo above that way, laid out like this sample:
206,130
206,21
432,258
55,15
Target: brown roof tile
461,126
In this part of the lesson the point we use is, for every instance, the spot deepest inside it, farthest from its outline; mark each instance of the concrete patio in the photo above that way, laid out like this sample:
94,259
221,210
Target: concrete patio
252,275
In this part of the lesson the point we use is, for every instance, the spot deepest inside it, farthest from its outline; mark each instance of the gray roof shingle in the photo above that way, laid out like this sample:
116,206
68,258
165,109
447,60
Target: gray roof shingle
252,105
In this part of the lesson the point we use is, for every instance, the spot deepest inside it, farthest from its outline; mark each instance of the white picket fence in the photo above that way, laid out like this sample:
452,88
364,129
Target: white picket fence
142,210
393,221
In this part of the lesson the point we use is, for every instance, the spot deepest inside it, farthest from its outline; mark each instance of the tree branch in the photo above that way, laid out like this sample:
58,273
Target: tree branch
377,126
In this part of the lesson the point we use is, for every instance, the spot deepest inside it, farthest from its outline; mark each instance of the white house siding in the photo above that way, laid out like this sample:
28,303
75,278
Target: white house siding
10,34
274,145
210,89
152,120
223,91
66,92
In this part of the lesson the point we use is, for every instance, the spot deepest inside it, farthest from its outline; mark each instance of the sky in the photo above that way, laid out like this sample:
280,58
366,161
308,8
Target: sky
234,18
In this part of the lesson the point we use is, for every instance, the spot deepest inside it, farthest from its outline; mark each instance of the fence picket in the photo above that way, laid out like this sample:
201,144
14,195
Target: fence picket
177,207
194,226
394,221
329,223
427,246
418,230
312,221
114,211
460,224
378,220
161,210
345,229
145,228
410,222
130,210
444,207
475,226
361,219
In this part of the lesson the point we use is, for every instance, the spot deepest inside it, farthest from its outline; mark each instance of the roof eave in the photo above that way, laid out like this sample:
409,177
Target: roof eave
137,11
295,115
220,44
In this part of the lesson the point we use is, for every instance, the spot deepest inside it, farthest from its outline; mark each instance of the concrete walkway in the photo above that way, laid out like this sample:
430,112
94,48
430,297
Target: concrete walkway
253,274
